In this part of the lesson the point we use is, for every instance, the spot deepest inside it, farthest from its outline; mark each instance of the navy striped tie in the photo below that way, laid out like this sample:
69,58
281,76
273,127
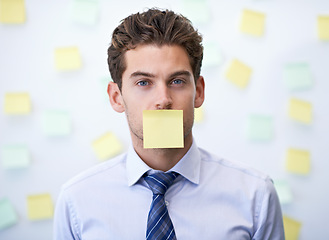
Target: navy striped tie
159,225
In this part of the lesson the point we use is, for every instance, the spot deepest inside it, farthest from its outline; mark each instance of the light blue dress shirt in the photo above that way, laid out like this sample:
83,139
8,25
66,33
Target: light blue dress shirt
211,199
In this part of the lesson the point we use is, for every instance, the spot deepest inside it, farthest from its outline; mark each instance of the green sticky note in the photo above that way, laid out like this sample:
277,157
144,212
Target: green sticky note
297,76
103,83
85,11
260,128
196,10
8,216
163,129
212,55
15,156
284,191
56,123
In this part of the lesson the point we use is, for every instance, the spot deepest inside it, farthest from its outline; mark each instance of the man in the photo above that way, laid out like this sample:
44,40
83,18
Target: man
164,193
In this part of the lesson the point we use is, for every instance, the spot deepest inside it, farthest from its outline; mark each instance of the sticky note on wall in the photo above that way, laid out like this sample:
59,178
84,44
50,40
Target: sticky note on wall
15,156
107,146
12,11
298,161
260,127
8,216
40,207
284,192
56,123
297,76
163,129
198,114
196,10
300,110
239,73
67,58
323,27
17,103
252,22
212,55
85,11
291,228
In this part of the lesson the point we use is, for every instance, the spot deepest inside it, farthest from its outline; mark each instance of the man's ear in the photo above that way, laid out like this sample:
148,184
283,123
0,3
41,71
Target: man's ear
115,97
199,94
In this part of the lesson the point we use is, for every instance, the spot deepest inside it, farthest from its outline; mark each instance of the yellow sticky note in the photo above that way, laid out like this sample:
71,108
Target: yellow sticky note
291,228
40,207
252,22
163,129
17,103
67,58
198,114
107,146
298,161
300,110
323,27
12,11
239,73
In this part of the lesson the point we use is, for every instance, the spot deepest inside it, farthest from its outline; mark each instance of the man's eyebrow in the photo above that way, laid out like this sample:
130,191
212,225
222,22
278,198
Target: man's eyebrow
141,74
180,73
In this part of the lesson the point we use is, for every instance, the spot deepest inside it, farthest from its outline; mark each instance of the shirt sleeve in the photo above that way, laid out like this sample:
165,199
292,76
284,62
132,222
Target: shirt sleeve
269,223
65,219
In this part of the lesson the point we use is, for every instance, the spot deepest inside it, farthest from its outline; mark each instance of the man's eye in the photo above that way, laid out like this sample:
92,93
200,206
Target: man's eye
142,83
177,81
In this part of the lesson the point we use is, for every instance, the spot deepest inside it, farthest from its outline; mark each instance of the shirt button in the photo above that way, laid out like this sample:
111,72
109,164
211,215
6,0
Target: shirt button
167,203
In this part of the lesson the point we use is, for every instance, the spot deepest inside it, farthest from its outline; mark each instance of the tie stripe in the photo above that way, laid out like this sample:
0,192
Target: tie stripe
159,225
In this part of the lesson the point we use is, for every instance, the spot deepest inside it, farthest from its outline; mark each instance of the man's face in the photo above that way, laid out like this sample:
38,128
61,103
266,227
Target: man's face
159,78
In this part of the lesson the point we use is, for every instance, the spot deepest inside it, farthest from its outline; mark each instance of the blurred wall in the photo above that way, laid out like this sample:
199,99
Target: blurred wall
252,118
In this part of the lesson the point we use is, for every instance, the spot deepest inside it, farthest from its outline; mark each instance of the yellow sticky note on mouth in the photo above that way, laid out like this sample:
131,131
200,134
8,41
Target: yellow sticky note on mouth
163,129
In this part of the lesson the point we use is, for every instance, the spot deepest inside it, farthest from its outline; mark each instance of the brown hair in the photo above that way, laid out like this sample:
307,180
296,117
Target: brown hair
153,27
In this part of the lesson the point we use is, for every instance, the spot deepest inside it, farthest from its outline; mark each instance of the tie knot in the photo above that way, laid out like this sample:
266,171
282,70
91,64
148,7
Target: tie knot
160,182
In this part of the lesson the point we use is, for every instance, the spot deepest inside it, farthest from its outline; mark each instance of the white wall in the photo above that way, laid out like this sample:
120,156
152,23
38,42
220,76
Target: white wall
27,64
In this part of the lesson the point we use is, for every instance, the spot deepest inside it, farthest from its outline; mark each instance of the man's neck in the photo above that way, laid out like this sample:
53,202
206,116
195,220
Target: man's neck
162,158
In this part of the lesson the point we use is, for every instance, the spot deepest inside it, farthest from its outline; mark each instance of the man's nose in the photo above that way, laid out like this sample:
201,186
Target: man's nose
163,97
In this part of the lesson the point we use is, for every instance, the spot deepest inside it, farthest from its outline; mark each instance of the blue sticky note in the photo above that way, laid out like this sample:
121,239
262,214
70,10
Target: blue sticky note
15,156
8,216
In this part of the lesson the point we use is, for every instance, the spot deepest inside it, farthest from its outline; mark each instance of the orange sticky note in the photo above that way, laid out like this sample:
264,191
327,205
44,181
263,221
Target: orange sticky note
298,161
291,228
107,146
67,58
163,129
300,110
239,73
17,103
12,11
323,27
253,22
40,207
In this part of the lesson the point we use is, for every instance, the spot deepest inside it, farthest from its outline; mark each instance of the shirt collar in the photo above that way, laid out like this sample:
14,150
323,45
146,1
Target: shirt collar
188,166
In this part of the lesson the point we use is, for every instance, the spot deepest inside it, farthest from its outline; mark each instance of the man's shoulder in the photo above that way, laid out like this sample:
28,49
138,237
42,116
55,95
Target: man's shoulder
223,165
108,168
